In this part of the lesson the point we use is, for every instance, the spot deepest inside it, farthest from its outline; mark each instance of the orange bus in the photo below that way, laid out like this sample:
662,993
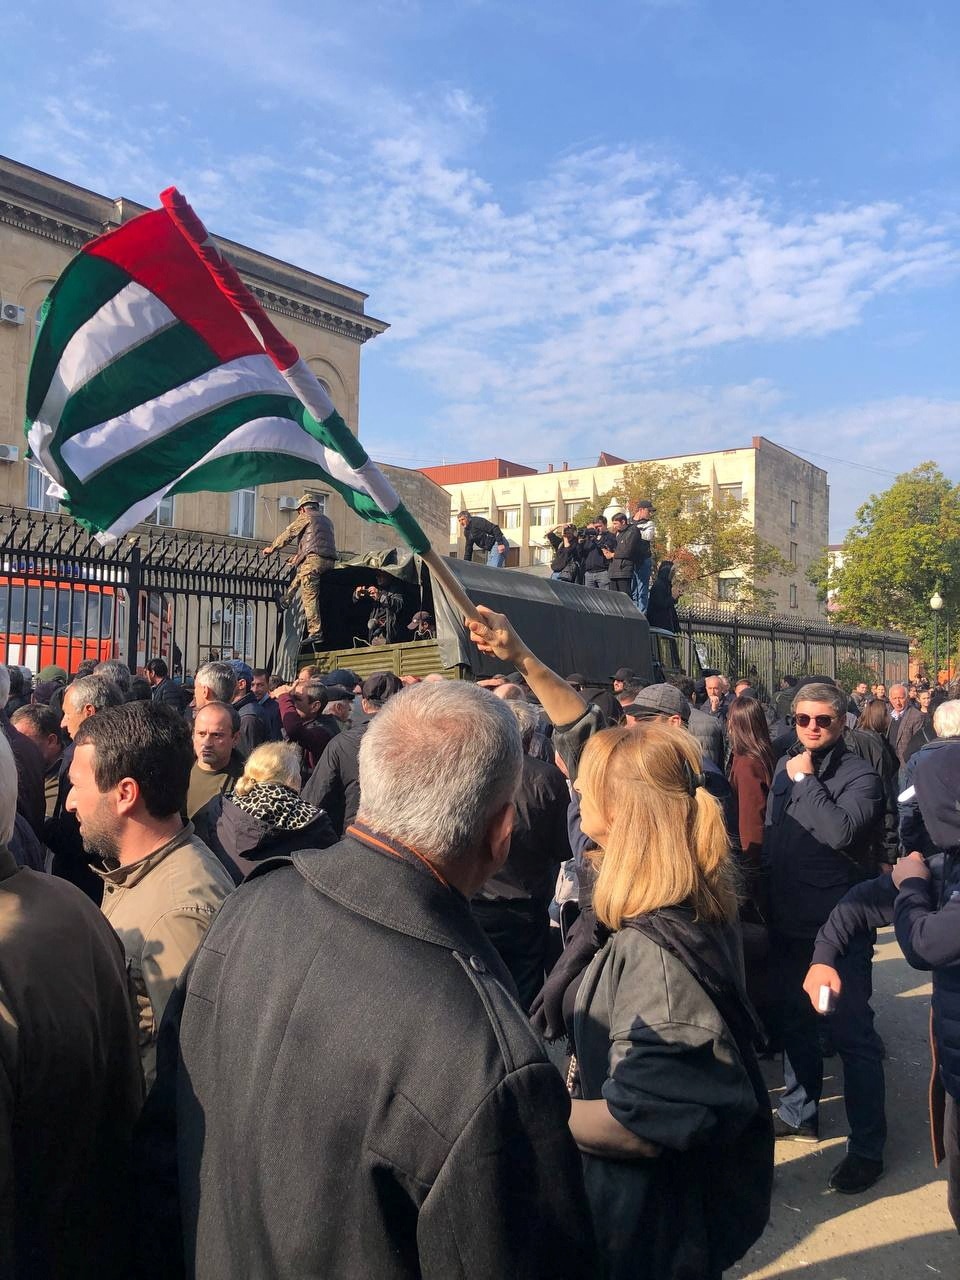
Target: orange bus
56,620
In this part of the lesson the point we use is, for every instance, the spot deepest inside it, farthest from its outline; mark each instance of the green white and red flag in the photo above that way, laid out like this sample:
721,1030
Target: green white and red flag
156,372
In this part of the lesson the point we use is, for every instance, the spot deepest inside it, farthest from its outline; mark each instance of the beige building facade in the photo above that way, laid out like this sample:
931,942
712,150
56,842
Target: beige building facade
787,504
44,221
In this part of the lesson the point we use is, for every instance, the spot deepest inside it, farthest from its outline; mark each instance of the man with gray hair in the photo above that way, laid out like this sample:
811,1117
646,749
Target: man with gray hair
823,813
214,682
117,671
429,1125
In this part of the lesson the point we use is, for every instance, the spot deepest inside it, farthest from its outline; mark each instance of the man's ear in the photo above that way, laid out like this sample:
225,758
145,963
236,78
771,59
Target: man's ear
499,831
126,796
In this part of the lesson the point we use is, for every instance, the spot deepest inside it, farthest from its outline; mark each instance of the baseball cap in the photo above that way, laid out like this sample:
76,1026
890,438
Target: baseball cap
659,700
419,619
52,672
241,670
339,693
380,686
341,677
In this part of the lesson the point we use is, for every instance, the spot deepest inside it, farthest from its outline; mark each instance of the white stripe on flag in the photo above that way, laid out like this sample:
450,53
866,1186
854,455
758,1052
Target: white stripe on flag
280,435
131,317
101,446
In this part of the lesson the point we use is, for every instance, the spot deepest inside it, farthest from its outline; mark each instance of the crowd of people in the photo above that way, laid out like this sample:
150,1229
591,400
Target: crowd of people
393,978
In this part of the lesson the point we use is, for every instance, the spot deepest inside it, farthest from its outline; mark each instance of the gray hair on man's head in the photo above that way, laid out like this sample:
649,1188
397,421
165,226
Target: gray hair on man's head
97,691
115,670
4,686
436,764
528,720
828,693
219,678
946,719
8,791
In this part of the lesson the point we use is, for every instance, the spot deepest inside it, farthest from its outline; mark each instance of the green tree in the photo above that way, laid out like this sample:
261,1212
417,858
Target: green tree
904,544
704,537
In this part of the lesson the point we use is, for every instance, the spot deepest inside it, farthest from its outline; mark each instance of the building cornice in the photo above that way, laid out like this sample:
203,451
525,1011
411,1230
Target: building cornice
356,327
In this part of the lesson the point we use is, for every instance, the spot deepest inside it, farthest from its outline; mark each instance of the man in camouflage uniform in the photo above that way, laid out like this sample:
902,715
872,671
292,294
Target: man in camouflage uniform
316,553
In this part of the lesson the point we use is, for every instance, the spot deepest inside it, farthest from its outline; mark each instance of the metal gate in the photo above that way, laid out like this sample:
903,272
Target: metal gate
764,649
159,593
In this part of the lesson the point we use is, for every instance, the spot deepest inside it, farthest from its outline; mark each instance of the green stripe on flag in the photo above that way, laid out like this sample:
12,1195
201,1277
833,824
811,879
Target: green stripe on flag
335,434
160,462
83,288
175,356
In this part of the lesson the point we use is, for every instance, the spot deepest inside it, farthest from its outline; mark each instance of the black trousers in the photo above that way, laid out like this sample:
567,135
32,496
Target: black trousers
951,1144
519,928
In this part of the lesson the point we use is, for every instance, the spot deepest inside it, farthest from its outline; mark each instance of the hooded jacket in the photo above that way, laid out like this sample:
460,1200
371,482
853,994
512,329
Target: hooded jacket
268,821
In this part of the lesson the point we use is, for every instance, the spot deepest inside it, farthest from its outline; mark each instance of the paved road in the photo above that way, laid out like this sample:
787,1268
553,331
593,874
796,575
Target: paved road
898,1230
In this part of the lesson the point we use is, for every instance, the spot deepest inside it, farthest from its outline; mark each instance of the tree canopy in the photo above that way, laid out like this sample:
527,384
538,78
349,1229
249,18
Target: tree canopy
704,536
903,546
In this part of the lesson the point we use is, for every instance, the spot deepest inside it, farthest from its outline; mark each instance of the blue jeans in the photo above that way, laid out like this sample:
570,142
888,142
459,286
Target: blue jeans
640,586
496,559
851,1026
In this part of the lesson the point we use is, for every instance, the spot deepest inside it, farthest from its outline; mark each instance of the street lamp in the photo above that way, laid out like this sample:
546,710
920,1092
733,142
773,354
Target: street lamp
936,604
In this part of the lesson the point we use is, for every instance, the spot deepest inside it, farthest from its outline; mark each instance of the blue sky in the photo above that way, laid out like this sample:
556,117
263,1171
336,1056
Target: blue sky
651,227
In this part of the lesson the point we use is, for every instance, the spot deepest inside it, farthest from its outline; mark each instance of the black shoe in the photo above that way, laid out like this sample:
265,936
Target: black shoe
809,1131
855,1174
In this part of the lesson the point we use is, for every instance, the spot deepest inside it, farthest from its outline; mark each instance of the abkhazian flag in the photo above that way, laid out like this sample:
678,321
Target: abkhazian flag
147,380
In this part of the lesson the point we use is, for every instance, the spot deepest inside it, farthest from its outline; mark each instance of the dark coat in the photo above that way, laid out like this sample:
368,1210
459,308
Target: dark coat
271,713
253,723
240,840
901,731
31,801
819,838
394,1117
334,785
539,842
482,534
174,695
566,560
631,550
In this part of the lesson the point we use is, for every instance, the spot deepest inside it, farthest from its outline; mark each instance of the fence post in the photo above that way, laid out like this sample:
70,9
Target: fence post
133,595
806,650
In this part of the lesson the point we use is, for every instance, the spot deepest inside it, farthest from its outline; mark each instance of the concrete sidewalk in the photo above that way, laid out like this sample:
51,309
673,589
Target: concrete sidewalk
900,1228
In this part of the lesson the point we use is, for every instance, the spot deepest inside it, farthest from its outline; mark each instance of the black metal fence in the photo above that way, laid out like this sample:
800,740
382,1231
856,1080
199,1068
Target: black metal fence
767,648
191,597
185,597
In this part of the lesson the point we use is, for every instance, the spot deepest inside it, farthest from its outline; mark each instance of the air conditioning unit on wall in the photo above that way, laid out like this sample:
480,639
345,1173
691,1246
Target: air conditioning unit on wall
9,453
287,502
10,313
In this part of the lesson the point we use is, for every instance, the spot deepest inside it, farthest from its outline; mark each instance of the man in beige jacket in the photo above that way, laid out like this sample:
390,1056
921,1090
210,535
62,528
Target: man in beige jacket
70,1081
162,886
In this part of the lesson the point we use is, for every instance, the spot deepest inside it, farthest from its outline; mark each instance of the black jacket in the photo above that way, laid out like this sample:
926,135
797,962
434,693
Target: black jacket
241,840
631,550
819,838
594,561
394,1116
253,723
539,842
566,560
334,785
167,691
482,534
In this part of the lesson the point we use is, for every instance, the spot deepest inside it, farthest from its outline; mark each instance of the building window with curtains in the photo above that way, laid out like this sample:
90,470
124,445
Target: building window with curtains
572,509
541,513
243,506
508,518
37,485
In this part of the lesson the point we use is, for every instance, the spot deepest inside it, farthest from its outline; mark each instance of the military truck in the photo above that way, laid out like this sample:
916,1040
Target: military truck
570,628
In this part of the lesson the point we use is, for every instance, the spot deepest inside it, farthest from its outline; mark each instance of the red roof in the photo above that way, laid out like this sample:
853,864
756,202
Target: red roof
466,472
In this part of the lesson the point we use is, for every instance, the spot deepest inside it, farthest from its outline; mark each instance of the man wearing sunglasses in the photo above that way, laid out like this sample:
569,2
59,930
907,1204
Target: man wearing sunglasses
823,813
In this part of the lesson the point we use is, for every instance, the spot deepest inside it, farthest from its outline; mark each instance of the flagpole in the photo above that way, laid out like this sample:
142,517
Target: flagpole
286,357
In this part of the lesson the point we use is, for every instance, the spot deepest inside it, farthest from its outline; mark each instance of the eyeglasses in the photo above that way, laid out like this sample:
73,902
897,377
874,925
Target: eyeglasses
822,722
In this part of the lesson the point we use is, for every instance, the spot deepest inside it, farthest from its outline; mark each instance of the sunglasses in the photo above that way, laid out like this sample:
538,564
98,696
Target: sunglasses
822,722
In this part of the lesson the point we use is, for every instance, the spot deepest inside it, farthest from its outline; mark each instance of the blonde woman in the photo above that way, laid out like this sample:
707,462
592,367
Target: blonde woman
673,1122
672,1118
264,817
